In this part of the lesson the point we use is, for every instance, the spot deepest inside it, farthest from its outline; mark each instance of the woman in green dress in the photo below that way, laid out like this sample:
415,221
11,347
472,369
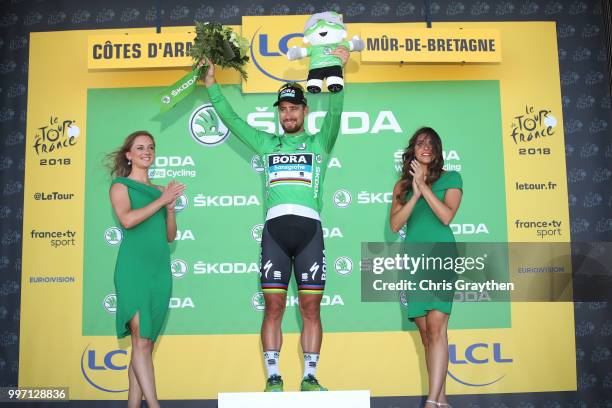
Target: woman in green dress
143,280
425,199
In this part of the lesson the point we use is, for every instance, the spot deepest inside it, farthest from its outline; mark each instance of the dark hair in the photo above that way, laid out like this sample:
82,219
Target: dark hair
434,170
116,161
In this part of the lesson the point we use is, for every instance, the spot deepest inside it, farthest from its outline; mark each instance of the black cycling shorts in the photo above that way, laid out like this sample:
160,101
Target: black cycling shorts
325,72
297,240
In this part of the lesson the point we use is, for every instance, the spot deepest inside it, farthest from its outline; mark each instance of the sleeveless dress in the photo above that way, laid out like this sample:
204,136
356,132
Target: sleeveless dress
143,280
423,226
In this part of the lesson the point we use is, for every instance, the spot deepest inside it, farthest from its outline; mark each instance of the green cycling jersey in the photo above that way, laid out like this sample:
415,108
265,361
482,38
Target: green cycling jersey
294,164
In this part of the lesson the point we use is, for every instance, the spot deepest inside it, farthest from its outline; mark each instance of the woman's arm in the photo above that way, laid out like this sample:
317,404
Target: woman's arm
130,218
401,212
445,211
170,222
171,215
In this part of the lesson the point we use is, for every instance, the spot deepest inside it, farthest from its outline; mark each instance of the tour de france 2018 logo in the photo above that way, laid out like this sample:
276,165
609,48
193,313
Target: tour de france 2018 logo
113,236
56,134
342,198
179,268
110,303
258,302
532,124
343,265
54,137
206,127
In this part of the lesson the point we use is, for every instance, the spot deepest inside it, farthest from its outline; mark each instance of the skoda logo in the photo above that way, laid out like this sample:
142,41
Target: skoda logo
178,268
110,303
181,203
257,232
113,236
206,127
343,265
257,164
403,298
342,198
258,302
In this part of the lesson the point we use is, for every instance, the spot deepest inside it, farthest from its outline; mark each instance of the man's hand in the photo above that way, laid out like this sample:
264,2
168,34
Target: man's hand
209,78
341,52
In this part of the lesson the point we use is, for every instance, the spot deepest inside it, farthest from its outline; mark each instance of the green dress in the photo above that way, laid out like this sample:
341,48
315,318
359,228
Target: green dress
143,280
424,226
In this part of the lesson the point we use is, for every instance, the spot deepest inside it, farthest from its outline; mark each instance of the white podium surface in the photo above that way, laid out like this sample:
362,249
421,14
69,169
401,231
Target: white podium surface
312,399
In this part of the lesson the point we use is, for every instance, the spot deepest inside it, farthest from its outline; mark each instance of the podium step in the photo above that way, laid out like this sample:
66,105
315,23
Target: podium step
325,399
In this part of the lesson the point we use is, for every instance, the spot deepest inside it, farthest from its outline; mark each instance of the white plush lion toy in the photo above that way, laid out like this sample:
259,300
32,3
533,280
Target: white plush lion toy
324,32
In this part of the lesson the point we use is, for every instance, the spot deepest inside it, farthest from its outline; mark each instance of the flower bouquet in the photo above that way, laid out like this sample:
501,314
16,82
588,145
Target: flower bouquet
221,45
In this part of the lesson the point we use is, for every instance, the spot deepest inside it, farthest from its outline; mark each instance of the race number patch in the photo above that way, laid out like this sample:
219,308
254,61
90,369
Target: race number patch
294,168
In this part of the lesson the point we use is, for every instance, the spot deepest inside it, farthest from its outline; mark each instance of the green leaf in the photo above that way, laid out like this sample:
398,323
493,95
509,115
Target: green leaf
213,41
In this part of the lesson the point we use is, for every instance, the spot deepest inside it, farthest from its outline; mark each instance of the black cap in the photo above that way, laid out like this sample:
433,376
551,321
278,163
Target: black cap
291,92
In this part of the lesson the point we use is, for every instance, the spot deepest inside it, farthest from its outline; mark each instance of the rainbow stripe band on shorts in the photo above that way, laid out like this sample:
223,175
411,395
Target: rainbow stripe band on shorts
311,289
274,288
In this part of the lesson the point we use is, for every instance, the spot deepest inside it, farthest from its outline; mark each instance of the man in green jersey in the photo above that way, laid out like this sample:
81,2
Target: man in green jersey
295,165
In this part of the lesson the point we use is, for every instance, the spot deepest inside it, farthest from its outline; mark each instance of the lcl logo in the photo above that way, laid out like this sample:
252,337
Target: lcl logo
97,366
261,43
477,354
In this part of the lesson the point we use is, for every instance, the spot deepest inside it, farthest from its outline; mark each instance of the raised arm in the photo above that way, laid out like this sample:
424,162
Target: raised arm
331,123
401,212
444,210
257,140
